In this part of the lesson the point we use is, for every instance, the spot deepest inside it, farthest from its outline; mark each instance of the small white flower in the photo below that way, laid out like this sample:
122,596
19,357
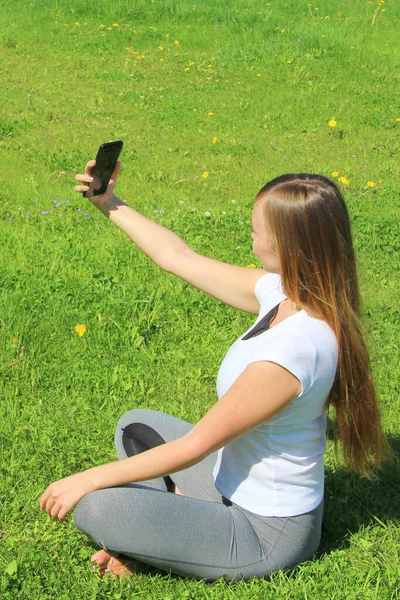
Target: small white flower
207,213
181,202
233,201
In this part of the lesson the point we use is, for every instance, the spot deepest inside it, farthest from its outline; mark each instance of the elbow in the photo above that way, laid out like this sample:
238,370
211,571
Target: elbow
164,263
165,260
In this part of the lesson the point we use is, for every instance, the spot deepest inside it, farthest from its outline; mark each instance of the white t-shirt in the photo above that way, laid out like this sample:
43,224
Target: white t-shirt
277,469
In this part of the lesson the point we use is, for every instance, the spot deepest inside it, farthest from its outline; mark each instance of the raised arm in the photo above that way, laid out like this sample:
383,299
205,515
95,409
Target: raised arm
231,284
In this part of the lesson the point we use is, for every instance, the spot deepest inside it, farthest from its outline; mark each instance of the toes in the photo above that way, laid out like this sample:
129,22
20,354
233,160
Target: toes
101,557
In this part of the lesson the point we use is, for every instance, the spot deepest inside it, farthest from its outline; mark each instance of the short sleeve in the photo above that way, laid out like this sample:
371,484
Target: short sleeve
289,349
268,283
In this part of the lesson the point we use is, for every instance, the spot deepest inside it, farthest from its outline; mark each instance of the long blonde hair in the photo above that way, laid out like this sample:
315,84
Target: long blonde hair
308,223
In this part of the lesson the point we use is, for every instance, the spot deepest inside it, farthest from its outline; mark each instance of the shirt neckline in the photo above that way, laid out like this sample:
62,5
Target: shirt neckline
263,324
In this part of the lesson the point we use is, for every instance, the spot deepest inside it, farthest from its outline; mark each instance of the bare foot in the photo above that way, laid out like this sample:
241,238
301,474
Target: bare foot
112,564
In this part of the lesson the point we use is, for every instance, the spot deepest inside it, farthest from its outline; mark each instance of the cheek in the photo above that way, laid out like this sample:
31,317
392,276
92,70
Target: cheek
261,246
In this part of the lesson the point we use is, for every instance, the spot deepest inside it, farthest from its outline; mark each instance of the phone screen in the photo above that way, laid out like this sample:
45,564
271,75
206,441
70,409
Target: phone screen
106,160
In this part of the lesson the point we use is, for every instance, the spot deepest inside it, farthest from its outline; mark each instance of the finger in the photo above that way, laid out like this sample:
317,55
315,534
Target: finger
81,188
63,513
84,178
49,504
54,513
43,499
116,171
89,166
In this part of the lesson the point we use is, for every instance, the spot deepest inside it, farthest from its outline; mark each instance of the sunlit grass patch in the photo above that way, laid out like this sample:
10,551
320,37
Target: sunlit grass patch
211,100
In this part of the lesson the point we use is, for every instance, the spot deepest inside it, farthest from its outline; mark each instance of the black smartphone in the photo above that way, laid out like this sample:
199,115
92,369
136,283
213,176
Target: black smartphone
106,160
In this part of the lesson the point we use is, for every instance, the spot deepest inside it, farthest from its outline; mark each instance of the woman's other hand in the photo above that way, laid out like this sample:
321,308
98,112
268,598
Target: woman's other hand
63,495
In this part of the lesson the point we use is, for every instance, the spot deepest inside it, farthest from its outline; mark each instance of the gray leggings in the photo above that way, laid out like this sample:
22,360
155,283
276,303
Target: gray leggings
199,534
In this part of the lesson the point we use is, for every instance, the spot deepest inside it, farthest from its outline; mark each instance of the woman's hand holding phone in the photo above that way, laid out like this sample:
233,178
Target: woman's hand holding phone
101,175
104,202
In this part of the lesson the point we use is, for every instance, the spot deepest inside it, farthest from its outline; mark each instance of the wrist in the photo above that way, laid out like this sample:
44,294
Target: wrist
110,205
90,480
100,477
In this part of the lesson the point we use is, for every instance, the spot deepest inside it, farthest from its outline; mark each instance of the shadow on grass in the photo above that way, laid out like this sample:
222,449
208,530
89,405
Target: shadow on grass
352,502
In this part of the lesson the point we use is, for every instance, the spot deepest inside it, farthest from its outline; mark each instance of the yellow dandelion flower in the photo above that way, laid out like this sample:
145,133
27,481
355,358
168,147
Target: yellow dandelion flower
14,341
215,140
115,25
187,69
161,47
176,42
205,174
258,74
289,61
77,23
316,8
327,17
251,266
161,59
371,184
210,113
398,120
283,30
344,180
332,123
101,26
80,330
324,35
335,174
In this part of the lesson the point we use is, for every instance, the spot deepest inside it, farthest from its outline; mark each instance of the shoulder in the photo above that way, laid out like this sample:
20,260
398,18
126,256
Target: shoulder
266,285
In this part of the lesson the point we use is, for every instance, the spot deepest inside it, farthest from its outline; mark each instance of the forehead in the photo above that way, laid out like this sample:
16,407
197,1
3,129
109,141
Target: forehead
257,216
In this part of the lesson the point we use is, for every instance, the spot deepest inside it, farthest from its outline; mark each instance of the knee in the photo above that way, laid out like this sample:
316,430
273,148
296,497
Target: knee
90,513
137,415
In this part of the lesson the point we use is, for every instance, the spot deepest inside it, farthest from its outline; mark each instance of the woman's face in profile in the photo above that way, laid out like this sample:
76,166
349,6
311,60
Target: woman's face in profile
262,247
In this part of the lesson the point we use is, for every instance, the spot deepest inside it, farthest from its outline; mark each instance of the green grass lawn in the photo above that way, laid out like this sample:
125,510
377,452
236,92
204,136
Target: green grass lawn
211,100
